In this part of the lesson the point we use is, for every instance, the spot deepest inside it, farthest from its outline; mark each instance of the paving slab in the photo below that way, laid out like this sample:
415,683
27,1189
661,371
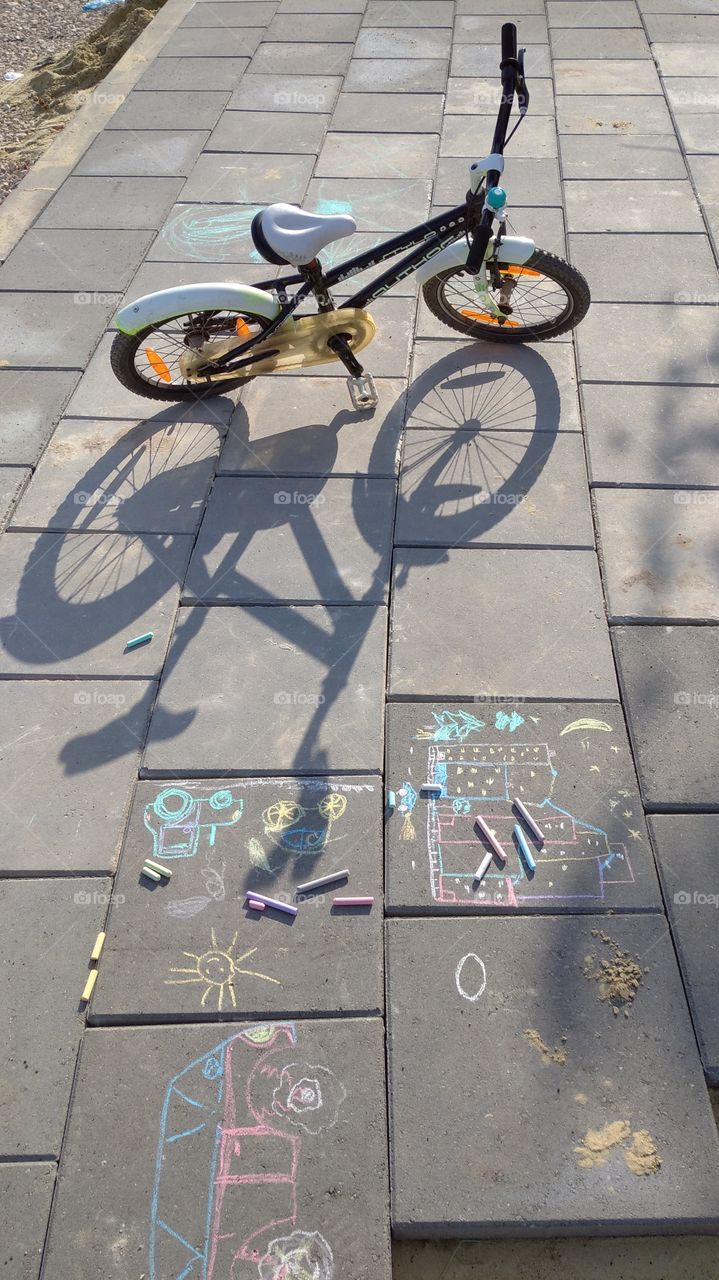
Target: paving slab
614,113
390,155
25,1195
705,174
632,206
50,330
485,487
71,601
321,6
12,482
490,386
556,594
165,275
306,426
32,400
212,42
256,178
691,96
468,95
609,42
284,132
483,29
143,153
651,155
693,58
537,137
658,553
83,261
388,113
687,28
203,74
670,683
313,704
567,13
609,75
484,59
698,133
147,477
241,1151
49,927
330,27
263,541
111,203
667,345
403,42
403,13
499,7
569,763
83,739
610,1128
230,13
303,59
210,955
646,268
384,204
651,434
687,849
396,75
286,93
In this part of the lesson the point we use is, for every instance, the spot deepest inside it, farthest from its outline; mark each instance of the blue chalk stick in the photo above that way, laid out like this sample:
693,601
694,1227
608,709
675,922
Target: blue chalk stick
138,640
524,848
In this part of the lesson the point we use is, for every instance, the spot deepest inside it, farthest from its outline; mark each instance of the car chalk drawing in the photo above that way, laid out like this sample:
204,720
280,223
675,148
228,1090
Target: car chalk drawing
227,1195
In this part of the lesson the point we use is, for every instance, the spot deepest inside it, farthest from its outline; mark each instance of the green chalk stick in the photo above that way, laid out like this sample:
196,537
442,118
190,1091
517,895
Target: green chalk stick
138,640
151,875
157,866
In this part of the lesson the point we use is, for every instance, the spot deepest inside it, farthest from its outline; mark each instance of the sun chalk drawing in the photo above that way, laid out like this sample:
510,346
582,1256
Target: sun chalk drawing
217,970
228,1173
479,979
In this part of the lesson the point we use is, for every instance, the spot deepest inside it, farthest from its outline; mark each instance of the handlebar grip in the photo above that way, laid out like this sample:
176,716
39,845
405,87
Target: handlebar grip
509,40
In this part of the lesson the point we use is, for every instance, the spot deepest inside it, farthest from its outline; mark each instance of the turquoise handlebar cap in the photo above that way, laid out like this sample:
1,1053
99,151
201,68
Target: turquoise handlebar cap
496,198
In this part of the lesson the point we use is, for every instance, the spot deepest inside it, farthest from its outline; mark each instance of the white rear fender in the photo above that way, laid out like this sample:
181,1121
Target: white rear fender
155,307
517,249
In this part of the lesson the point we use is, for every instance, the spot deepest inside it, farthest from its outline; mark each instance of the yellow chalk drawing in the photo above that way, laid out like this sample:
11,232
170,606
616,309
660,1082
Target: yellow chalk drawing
258,857
217,969
586,723
332,807
408,832
281,815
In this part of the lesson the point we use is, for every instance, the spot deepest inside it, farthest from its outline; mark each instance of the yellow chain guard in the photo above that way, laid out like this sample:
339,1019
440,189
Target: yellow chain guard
296,344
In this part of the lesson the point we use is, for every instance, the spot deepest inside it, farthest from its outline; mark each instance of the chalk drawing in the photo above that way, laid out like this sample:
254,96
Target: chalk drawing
228,1172
214,234
586,723
295,827
181,820
481,975
217,970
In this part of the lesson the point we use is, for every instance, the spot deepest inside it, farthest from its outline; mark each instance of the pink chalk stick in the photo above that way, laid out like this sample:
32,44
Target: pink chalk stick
491,839
275,903
254,905
352,902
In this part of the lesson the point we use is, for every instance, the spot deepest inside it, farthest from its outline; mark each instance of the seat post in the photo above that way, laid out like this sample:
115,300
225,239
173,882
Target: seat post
312,271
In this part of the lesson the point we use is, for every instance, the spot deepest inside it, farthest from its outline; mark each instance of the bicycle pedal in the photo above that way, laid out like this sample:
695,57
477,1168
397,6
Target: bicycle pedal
363,392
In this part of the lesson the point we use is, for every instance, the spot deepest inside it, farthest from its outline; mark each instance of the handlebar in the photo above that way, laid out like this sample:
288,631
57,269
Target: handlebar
510,69
509,41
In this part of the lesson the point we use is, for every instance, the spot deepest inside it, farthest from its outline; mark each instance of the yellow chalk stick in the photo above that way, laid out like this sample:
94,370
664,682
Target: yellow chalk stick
99,944
157,866
91,980
151,875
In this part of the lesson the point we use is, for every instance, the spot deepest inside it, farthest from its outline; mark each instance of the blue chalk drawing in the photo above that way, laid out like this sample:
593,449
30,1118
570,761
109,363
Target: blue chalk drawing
181,820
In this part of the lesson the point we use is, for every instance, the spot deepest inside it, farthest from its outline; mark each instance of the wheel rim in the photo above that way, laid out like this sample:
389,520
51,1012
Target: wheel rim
537,301
157,358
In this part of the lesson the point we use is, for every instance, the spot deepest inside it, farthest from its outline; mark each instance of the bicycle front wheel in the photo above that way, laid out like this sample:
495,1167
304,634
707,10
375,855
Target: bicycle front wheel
543,297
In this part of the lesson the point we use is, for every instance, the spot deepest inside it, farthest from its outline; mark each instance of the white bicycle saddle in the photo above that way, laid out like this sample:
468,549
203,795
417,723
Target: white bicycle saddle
283,233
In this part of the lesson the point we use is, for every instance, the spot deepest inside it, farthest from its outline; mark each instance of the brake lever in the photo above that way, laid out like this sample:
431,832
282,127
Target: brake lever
521,88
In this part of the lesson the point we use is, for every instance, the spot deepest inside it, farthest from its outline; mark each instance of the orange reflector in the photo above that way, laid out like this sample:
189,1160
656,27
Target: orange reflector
486,318
519,271
242,329
158,365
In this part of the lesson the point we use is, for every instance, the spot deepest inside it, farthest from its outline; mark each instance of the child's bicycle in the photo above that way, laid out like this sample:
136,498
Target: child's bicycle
203,339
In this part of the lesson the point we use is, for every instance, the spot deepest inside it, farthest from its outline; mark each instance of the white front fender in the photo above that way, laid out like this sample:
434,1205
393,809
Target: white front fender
517,249
155,307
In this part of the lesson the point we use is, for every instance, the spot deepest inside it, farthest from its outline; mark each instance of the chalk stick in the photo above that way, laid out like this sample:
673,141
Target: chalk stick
157,866
483,867
151,875
524,848
322,881
87,989
524,813
391,800
352,902
272,902
491,839
255,905
430,791
99,944
138,640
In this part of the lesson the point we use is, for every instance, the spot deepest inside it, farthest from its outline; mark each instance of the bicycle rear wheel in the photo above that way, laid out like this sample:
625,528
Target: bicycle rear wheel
149,363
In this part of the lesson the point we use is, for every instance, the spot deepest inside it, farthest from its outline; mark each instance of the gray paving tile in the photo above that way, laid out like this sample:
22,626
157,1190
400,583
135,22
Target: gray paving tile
571,765
312,705
301,1127
698,133
322,6
490,386
467,95
143,153
551,594
230,13
258,179
500,7
646,268
632,206
168,109
403,42
690,59
658,553
286,93
566,13
49,927
484,59
482,29
384,204
388,113
25,1195
212,42
147,477
203,74
32,401
528,182
686,849
306,426
693,95
667,344
390,155
651,434
396,75
71,602
610,42
268,131
12,481
83,739
55,331
652,155
111,203
83,261
621,76
616,113
670,686
508,488
537,137
268,835
678,6
302,59
264,541
686,28
536,1170
406,13
329,27
165,275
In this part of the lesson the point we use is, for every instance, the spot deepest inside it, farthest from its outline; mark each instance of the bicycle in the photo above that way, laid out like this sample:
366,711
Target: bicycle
202,339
